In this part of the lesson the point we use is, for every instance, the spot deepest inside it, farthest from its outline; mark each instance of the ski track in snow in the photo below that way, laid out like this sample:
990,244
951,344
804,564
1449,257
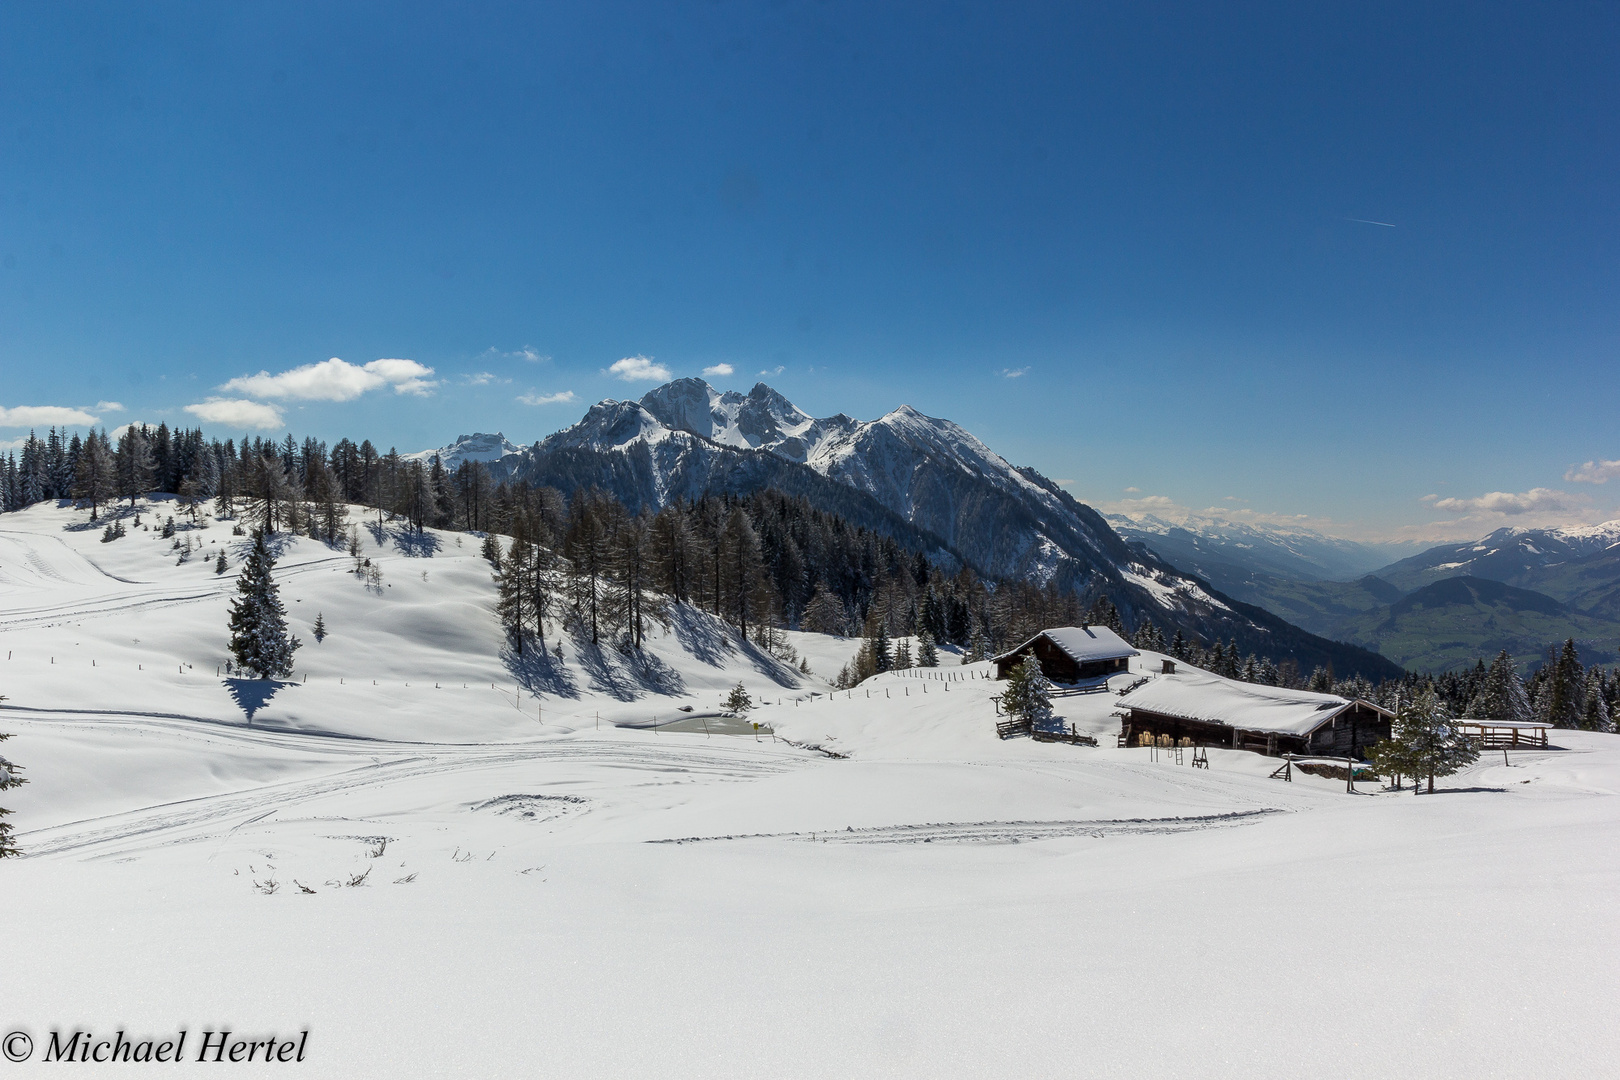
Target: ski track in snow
201,818
999,832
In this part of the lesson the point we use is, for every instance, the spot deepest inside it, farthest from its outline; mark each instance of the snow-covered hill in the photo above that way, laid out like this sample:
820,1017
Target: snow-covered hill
432,858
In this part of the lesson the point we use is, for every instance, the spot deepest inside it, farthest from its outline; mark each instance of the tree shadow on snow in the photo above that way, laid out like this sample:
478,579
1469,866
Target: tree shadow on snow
626,673
251,695
409,543
711,641
539,672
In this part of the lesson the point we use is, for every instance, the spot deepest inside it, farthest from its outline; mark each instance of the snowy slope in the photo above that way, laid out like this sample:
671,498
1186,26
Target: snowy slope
496,893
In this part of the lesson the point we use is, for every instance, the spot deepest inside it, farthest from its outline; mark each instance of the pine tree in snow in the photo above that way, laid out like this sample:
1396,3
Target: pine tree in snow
902,655
927,652
1027,696
1596,716
1563,697
320,628
738,701
259,638
1423,742
8,779
1501,696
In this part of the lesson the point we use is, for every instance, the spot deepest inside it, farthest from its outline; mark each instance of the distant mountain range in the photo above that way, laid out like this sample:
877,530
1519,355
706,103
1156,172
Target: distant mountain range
1225,552
478,447
926,481
1516,589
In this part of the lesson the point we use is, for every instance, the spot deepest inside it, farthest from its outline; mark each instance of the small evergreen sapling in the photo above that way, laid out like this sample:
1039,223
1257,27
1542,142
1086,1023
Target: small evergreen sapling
219,563
320,628
738,701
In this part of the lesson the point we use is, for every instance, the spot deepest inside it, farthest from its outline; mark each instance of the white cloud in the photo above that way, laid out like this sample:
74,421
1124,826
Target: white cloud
1593,472
109,406
237,413
720,369
44,416
1510,503
777,370
638,369
1133,490
1014,373
481,378
531,398
528,353
336,380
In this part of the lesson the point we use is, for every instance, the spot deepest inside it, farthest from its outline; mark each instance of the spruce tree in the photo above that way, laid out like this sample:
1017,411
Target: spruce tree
259,638
1501,695
738,701
927,652
902,655
1424,742
1563,699
1027,696
320,628
8,780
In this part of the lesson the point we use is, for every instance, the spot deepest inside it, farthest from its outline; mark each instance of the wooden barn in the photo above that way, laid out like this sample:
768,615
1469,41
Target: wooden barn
1213,711
1071,654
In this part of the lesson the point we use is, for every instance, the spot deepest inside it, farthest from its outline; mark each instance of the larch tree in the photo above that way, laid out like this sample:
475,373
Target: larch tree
260,641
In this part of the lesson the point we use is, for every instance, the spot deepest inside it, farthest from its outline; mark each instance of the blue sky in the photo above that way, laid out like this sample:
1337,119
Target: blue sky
1131,245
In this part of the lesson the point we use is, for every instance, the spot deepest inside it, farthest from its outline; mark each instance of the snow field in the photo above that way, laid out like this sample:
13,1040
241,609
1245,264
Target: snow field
935,903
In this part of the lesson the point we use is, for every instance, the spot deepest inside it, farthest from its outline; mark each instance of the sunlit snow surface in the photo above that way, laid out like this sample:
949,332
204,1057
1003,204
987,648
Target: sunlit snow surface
542,893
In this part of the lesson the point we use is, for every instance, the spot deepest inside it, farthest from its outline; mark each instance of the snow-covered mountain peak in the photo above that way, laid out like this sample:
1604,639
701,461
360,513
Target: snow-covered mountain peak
479,446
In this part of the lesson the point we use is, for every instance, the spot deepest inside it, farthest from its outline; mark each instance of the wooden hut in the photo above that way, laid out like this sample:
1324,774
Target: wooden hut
1215,711
1071,654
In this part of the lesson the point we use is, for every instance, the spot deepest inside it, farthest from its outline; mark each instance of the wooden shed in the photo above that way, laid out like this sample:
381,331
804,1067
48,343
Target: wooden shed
1215,711
1071,654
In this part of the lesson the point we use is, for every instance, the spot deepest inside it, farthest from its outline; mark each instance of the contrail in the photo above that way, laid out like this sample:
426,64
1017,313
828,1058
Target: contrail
1364,221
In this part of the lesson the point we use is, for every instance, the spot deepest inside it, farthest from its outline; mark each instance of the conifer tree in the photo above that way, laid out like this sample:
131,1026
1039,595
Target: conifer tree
219,563
738,701
927,651
95,480
259,638
515,602
8,780
1563,698
320,628
490,549
1501,695
1596,716
1027,697
1423,742
902,655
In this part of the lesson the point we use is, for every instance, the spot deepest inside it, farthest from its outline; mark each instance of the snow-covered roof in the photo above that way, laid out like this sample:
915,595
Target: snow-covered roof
1082,643
1199,695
